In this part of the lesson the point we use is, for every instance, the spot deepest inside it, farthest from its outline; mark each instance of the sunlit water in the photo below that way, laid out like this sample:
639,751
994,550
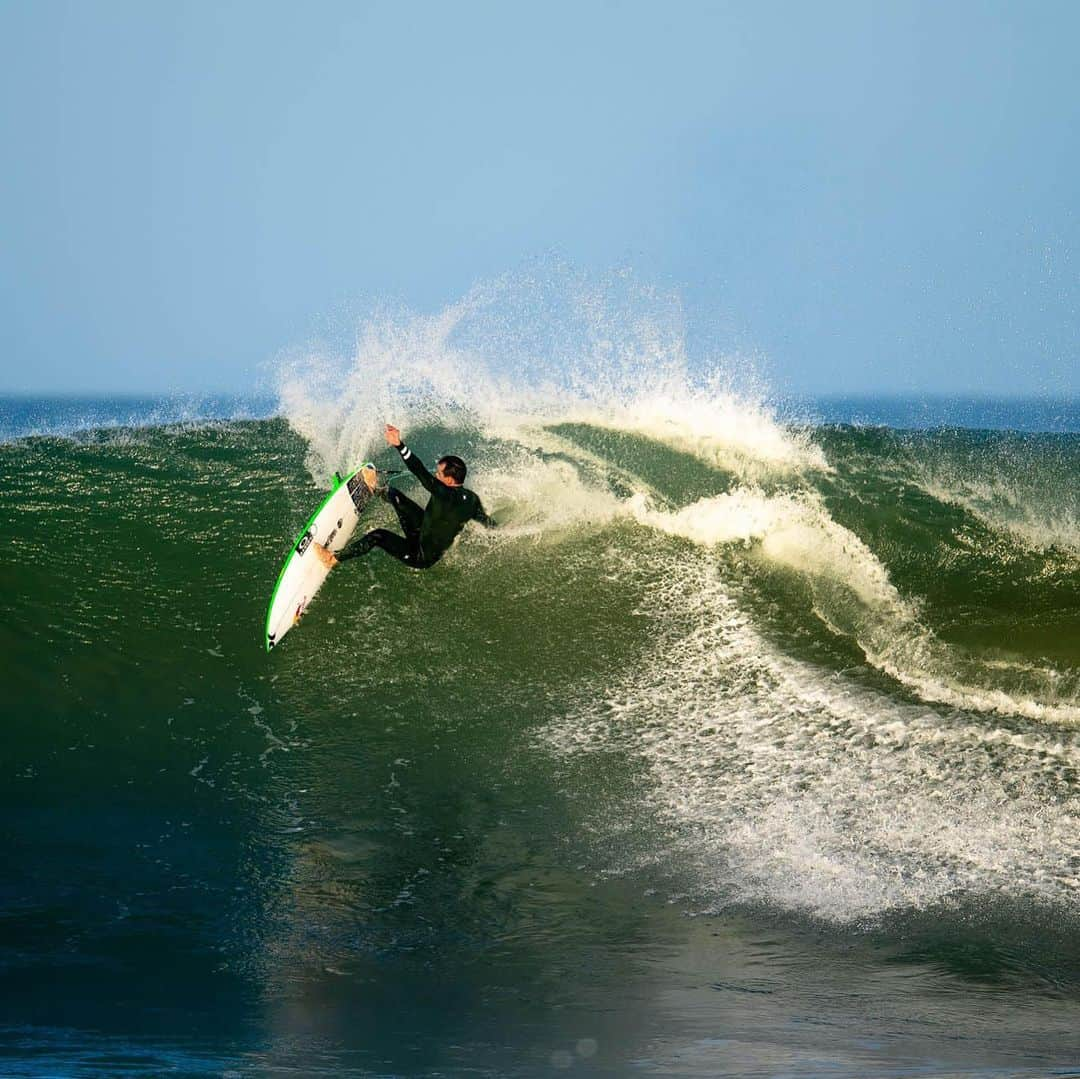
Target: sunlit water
745,746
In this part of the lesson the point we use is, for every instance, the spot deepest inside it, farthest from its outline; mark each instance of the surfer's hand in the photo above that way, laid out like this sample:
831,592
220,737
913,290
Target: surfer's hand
393,435
325,555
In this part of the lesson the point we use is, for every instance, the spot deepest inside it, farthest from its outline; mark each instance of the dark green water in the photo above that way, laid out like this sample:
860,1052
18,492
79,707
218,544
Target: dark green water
773,772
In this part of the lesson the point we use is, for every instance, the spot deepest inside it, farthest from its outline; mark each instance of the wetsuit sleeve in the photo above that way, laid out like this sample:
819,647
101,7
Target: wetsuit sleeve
416,467
482,516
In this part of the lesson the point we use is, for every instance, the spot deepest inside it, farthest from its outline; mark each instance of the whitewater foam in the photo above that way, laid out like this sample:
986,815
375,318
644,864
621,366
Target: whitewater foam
728,432
854,597
781,783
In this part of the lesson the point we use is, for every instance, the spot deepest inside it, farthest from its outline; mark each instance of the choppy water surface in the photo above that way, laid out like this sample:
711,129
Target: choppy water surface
741,748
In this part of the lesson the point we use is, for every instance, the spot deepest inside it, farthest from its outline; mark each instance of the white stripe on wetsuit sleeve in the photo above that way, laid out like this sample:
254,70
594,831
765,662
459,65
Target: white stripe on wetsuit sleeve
405,452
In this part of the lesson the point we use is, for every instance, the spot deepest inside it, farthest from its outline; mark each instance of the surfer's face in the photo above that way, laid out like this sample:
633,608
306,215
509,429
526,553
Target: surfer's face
442,477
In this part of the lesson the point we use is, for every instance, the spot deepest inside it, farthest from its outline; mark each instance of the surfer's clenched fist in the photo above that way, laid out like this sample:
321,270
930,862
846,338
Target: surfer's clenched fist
393,435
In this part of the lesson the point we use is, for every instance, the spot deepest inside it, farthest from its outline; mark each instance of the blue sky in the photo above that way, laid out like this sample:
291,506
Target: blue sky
872,196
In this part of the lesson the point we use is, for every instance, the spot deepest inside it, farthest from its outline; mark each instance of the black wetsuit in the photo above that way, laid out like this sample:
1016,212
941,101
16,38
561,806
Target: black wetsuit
428,533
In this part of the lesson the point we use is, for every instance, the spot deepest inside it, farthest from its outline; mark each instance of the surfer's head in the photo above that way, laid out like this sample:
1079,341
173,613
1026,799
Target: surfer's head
451,470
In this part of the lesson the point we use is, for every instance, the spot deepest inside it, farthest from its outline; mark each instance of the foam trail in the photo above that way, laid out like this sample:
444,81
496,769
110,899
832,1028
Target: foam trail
854,596
783,784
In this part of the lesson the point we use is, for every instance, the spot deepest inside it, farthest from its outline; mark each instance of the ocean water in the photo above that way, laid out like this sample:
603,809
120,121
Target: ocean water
748,745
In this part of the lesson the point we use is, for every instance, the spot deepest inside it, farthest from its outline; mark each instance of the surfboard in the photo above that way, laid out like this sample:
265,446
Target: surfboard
302,575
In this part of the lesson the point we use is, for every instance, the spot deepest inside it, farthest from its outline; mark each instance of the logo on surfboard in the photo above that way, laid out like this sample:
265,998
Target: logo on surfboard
361,486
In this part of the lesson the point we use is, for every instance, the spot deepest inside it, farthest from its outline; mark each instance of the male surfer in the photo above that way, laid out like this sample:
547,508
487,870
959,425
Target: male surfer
428,532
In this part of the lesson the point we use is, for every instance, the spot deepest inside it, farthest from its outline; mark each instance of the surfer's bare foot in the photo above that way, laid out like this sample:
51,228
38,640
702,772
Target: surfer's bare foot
325,555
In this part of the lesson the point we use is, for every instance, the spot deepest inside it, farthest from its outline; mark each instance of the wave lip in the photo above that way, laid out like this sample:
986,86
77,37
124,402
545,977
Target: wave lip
728,432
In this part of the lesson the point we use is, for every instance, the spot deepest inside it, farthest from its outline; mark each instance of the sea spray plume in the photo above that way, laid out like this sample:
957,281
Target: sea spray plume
402,367
527,350
88,419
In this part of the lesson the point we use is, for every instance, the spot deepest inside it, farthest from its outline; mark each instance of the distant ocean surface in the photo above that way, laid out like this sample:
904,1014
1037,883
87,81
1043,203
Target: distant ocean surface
1051,415
747,745
22,415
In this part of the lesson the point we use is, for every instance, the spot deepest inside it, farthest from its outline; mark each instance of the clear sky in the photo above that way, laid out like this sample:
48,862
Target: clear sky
874,196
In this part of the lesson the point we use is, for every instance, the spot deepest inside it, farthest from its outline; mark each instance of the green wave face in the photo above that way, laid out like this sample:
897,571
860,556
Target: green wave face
944,565
831,672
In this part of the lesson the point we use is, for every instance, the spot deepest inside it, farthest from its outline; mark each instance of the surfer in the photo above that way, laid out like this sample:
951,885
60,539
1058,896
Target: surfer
428,532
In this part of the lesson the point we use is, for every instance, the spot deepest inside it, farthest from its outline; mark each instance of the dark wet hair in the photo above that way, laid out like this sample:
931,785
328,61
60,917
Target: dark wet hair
454,467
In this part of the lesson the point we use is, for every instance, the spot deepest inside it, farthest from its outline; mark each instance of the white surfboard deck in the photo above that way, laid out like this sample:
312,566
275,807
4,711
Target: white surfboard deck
302,575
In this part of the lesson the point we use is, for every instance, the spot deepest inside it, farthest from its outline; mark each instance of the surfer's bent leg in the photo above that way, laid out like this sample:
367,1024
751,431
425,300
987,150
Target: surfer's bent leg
394,545
409,513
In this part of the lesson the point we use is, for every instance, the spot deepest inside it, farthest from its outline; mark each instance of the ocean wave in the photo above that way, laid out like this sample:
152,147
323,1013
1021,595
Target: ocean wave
778,773
853,596
785,784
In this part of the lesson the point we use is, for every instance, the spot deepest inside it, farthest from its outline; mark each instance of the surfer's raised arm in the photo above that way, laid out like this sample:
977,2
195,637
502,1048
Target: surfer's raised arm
412,462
